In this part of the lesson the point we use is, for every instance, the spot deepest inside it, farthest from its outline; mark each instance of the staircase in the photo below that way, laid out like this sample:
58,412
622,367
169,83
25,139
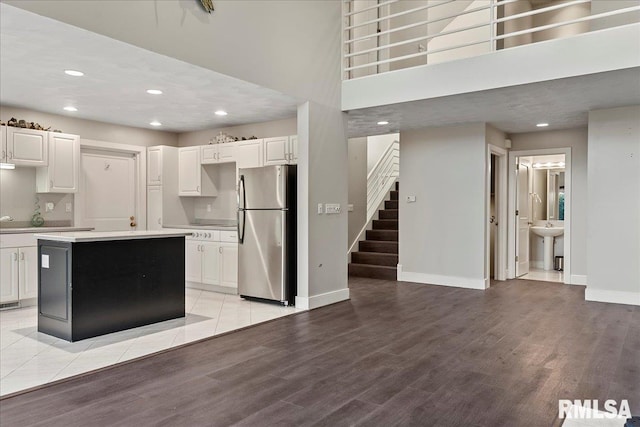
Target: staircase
377,256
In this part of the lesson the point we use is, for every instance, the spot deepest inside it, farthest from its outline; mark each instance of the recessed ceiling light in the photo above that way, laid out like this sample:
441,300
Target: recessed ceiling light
74,73
383,122
155,123
220,113
154,91
542,125
70,108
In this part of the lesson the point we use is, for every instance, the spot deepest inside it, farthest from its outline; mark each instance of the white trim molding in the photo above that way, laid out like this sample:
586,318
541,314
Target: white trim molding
435,279
615,297
315,301
579,279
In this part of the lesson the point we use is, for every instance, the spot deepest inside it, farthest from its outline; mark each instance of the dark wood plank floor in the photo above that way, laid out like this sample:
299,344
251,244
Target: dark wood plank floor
396,354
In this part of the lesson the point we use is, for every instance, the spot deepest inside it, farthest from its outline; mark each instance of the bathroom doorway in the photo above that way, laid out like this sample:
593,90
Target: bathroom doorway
540,215
496,214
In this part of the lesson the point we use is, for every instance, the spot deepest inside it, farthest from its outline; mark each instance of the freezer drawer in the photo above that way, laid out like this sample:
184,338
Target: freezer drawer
261,255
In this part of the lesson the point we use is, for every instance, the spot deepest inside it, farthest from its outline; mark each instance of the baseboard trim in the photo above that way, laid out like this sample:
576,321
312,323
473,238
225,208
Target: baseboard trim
615,297
315,301
579,279
435,279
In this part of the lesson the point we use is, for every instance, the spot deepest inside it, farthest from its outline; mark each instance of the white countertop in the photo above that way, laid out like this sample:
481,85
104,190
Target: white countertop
201,227
100,236
7,230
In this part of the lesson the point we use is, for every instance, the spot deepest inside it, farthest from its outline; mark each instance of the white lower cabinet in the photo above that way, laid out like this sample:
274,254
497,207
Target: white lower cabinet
212,265
18,274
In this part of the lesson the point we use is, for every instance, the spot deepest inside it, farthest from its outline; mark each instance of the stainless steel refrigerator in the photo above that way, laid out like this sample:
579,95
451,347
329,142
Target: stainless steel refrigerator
267,260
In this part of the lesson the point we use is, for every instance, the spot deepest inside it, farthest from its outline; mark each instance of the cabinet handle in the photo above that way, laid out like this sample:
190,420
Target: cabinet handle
159,220
15,256
198,188
21,256
220,249
159,177
10,155
4,153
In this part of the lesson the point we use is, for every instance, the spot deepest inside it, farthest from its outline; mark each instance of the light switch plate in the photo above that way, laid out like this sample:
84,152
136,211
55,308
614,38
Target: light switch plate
320,209
411,199
332,208
68,207
350,207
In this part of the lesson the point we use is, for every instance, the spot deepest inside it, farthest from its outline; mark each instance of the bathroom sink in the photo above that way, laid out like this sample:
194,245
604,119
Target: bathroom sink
548,231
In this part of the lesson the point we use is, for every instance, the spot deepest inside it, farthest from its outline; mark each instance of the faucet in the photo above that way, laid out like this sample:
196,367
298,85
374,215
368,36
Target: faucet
548,224
6,218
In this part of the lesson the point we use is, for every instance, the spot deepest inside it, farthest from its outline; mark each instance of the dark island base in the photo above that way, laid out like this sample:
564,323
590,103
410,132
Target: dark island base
95,288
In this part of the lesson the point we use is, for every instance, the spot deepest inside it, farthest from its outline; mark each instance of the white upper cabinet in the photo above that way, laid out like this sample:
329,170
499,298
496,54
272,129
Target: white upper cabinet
249,153
61,174
3,139
218,153
154,166
280,150
193,179
27,147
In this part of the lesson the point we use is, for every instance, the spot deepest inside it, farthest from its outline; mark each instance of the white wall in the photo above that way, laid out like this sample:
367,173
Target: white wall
376,145
225,204
91,129
613,251
274,128
357,186
576,139
442,234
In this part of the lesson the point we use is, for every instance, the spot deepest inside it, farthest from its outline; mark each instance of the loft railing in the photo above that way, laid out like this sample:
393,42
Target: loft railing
386,35
379,181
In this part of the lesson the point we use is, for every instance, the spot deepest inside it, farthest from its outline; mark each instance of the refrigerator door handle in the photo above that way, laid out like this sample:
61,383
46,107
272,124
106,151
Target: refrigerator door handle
241,209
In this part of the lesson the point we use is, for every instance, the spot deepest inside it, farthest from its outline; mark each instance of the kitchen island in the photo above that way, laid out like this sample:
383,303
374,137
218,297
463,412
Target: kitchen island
95,283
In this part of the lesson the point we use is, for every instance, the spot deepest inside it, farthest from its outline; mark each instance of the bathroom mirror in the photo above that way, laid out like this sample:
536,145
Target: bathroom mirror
548,194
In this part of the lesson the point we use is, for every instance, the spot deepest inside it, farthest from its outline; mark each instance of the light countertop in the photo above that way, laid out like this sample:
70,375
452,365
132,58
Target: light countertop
7,230
101,236
202,227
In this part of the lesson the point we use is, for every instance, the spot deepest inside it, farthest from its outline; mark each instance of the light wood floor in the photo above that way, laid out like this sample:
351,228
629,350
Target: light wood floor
396,354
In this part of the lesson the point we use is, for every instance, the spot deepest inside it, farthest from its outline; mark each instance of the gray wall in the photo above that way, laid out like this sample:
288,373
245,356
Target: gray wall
613,251
576,139
442,234
357,186
274,128
91,129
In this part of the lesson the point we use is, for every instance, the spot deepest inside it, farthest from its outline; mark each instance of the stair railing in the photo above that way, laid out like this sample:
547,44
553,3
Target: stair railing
380,180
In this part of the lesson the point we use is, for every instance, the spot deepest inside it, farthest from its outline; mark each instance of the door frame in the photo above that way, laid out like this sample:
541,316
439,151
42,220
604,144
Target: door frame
139,154
500,271
511,256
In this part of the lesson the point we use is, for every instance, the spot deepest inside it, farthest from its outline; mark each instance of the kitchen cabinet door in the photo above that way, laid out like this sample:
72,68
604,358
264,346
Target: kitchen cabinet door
9,275
249,154
209,154
189,171
61,175
28,272
227,152
27,147
210,263
276,150
293,149
3,140
229,264
193,264
154,166
154,208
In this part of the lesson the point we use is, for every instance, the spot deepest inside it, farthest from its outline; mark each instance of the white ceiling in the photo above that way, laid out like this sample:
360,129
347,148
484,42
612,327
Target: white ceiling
36,50
563,103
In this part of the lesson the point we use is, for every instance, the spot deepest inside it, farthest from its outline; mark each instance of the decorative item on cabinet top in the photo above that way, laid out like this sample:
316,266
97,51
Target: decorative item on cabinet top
13,122
222,138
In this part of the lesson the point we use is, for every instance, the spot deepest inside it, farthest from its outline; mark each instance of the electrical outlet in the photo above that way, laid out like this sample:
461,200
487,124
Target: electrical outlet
411,199
350,207
332,208
320,209
68,207
49,206
208,207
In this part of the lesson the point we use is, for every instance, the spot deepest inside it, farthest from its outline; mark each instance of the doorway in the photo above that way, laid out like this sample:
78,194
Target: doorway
108,199
496,213
540,215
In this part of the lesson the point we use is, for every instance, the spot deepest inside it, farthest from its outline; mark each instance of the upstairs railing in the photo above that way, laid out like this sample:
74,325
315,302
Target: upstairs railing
386,35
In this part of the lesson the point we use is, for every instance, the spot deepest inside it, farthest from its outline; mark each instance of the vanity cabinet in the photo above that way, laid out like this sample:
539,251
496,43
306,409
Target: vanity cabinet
281,150
61,173
193,180
27,147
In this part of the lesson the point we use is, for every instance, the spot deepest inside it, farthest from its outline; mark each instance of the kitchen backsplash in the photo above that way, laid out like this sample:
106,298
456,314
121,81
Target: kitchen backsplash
18,197
224,205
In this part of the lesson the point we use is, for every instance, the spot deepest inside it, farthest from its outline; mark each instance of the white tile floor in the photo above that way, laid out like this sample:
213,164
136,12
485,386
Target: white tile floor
544,275
29,358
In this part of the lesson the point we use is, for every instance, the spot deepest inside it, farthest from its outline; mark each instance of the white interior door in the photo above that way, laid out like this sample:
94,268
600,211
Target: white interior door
108,187
523,219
